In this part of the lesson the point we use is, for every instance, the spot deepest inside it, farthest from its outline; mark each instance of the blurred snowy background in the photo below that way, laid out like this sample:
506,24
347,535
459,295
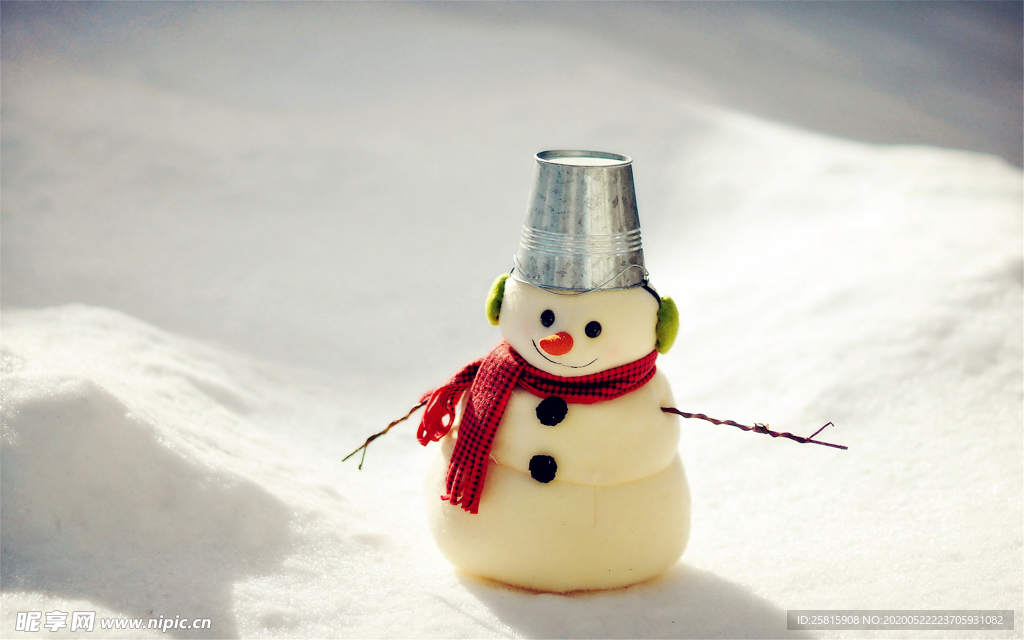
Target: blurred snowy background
240,237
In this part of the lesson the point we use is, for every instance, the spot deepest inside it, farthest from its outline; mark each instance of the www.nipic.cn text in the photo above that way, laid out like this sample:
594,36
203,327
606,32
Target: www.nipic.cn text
86,621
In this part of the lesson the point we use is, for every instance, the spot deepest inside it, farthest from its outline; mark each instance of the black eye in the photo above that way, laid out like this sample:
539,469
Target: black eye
548,318
593,329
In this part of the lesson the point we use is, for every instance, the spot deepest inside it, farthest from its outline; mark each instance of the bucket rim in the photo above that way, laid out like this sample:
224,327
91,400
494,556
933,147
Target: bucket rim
552,156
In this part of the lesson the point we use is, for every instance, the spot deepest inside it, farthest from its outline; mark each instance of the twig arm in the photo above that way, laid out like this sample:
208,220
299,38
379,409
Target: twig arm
759,428
379,434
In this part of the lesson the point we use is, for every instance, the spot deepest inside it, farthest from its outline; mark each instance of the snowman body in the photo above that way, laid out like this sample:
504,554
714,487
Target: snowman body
577,496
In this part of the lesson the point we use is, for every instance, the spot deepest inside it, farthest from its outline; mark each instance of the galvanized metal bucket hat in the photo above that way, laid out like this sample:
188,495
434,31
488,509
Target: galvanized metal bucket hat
582,231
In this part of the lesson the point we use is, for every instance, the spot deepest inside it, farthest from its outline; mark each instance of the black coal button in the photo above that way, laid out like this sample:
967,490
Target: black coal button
552,410
543,468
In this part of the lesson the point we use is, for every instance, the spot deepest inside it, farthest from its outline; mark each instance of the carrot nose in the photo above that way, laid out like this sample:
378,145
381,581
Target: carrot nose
558,344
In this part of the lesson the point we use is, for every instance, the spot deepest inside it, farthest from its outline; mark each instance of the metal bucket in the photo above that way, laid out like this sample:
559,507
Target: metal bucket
582,231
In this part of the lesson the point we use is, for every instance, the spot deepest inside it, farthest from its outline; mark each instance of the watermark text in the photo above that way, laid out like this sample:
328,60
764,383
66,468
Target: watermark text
86,621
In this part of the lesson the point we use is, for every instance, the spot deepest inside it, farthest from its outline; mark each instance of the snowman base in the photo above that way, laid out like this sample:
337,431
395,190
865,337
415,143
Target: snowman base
560,536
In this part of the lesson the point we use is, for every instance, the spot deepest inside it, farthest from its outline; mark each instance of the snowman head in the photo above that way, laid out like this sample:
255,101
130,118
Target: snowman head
580,334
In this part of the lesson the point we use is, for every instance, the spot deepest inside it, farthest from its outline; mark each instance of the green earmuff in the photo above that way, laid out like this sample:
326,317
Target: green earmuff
668,324
494,296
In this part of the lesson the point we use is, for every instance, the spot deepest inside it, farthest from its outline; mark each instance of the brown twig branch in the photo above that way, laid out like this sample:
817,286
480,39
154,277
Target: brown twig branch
379,434
759,428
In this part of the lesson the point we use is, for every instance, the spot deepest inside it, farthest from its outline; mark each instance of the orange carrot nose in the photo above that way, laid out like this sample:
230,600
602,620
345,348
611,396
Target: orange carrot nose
558,344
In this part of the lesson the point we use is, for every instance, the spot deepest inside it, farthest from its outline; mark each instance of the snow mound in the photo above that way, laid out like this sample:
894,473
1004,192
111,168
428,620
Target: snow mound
112,497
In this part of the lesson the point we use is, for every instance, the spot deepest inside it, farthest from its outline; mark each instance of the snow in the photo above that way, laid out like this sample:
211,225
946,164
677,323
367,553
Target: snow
238,239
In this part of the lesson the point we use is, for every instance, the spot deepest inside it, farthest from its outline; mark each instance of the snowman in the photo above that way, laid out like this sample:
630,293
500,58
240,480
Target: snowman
557,470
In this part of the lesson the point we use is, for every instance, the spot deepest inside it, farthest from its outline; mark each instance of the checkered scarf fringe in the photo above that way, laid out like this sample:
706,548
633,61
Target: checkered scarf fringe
490,381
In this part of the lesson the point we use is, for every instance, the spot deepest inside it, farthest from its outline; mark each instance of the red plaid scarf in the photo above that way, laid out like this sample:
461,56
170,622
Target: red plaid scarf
491,380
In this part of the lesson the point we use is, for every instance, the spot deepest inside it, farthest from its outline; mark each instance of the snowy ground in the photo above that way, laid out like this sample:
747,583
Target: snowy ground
237,239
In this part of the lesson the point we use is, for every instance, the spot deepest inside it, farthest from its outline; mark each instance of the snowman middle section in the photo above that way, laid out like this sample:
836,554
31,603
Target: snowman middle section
601,444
